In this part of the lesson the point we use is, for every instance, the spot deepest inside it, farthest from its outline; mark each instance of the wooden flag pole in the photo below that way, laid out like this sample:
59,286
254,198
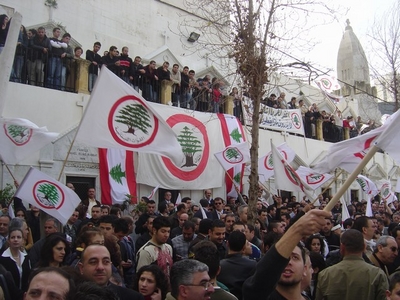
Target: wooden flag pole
9,171
351,178
325,189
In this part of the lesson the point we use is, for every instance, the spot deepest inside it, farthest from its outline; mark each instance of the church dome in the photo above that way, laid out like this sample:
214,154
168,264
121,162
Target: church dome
352,64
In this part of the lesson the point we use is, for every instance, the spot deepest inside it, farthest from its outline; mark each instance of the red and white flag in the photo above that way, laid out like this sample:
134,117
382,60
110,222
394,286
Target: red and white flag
117,176
46,193
312,179
232,133
327,83
367,185
151,195
233,155
386,192
389,139
117,116
265,163
20,138
285,176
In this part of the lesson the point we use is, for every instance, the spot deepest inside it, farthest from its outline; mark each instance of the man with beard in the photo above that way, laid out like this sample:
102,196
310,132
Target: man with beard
181,242
288,260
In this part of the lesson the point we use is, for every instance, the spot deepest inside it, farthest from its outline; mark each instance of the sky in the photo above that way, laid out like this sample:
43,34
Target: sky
361,15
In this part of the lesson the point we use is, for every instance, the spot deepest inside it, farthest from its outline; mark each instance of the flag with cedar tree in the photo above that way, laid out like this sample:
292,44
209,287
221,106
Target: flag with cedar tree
46,193
118,117
233,155
312,179
20,138
266,165
367,186
117,176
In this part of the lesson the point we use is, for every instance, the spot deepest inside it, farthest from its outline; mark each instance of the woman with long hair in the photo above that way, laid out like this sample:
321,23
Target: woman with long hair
15,260
4,26
151,282
315,243
21,214
54,251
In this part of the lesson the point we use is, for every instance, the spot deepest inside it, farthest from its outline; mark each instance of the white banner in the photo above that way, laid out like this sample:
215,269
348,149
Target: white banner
200,136
289,120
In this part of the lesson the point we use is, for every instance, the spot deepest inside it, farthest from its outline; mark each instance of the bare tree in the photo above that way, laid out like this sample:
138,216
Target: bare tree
384,37
251,39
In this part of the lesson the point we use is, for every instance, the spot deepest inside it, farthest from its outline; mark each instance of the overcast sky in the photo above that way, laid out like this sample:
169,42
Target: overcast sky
361,15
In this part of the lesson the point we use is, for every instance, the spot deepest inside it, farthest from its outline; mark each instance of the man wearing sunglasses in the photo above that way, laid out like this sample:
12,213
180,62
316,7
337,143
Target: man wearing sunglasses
385,253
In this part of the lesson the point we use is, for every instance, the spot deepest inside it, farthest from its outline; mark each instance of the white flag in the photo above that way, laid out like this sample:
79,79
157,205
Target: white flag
368,211
345,211
46,193
386,192
367,185
153,192
20,138
389,140
312,179
397,189
327,83
118,117
265,163
178,200
286,177
233,155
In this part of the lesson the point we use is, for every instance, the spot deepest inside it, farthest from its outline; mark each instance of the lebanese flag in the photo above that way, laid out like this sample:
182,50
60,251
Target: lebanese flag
150,196
389,140
285,176
266,165
20,138
46,193
233,133
117,116
327,83
367,185
312,179
117,176
233,155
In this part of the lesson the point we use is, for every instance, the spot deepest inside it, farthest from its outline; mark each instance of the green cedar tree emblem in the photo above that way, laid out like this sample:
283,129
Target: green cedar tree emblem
135,116
18,134
117,174
235,135
190,145
361,183
237,177
233,155
48,194
296,120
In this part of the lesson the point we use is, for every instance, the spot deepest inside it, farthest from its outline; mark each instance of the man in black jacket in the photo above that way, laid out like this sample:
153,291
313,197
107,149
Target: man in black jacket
95,58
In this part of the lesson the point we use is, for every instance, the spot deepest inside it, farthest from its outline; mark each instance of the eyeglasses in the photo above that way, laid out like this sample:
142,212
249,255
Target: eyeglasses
206,285
394,249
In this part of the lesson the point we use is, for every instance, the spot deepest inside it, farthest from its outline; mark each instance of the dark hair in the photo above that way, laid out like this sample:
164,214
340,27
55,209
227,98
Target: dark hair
353,241
114,210
92,291
395,230
207,253
97,43
107,219
46,254
360,222
185,199
181,206
160,222
159,276
112,48
393,280
86,234
60,272
204,202
188,225
121,225
348,222
205,225
217,224
78,48
20,209
66,35
236,241
317,261
308,242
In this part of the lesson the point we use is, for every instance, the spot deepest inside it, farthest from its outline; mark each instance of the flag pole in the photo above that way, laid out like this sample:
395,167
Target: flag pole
325,189
9,171
351,178
66,157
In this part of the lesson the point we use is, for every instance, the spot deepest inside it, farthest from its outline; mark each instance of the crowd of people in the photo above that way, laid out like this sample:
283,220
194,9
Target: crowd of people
333,124
202,250
51,62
